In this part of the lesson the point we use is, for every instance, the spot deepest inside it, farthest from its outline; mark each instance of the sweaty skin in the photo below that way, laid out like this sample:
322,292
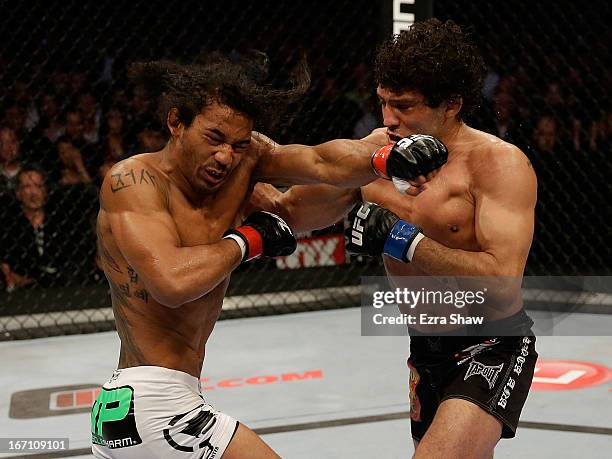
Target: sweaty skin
130,219
477,212
160,236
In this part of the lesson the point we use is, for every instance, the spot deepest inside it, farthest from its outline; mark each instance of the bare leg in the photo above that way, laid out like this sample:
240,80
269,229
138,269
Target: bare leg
460,429
247,444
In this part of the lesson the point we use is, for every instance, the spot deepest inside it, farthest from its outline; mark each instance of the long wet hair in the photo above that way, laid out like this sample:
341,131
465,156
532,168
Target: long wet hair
241,84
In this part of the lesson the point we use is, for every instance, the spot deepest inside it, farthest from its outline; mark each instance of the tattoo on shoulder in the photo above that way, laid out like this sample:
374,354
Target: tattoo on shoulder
127,179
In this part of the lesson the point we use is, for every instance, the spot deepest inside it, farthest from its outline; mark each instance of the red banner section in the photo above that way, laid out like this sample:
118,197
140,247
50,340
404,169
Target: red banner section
315,251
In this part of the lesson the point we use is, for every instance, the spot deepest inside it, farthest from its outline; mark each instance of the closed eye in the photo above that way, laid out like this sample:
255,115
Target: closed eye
241,146
213,140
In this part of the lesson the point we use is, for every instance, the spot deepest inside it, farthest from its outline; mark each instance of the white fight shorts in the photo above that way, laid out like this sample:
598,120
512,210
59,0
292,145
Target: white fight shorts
155,412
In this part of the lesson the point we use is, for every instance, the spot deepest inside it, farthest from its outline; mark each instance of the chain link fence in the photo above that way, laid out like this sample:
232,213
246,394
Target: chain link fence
67,114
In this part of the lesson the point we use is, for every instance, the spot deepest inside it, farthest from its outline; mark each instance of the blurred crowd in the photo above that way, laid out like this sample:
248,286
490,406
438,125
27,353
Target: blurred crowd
56,144
58,140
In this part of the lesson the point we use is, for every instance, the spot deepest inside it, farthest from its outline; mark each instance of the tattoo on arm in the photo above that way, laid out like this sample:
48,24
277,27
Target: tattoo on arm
127,179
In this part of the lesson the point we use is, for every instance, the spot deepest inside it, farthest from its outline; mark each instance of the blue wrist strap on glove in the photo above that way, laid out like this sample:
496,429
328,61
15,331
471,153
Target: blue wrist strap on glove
399,240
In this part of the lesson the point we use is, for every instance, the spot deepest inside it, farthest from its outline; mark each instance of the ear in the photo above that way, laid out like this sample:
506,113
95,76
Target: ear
453,106
175,126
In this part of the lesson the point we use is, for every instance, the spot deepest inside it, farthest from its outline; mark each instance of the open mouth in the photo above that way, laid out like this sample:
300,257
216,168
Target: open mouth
212,176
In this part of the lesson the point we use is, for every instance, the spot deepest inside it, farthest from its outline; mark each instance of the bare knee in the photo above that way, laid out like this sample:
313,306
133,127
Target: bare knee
455,421
247,444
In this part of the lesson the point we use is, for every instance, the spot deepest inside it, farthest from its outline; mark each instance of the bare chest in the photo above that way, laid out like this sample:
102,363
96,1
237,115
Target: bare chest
206,224
445,208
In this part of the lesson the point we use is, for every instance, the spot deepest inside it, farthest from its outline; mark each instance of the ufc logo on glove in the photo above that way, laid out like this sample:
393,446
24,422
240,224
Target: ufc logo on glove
357,233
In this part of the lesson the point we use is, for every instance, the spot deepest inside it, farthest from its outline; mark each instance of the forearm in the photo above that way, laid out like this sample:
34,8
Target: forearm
312,207
188,273
436,259
345,163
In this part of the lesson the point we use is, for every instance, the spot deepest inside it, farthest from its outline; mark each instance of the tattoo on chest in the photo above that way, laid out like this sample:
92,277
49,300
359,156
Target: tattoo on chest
131,178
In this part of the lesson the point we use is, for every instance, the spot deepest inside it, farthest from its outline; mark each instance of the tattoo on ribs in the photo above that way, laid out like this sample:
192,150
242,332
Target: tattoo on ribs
104,254
133,275
142,294
131,354
128,179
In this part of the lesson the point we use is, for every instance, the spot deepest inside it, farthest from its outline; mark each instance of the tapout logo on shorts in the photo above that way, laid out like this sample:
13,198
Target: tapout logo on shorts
490,373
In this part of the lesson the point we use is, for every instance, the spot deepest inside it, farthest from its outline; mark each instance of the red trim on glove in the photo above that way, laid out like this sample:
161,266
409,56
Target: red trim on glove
379,160
254,241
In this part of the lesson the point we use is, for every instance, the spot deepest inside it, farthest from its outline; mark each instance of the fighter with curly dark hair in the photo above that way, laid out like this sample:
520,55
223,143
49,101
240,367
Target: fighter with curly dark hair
437,60
467,210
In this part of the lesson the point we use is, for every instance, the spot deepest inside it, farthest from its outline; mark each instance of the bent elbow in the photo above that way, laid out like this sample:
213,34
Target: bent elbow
167,293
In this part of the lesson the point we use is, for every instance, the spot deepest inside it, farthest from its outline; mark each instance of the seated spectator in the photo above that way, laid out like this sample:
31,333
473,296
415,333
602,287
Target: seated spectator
72,170
51,126
91,116
40,245
21,93
150,140
9,160
140,115
92,157
114,144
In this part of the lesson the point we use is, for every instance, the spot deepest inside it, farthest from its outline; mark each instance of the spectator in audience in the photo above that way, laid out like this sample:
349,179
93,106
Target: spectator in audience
14,117
22,95
114,145
90,152
150,140
569,193
9,160
50,126
30,239
91,115
44,242
140,116
72,170
79,83
61,88
503,104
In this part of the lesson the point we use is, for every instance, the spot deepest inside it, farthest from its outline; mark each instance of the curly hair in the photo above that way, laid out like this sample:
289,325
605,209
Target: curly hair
238,84
435,58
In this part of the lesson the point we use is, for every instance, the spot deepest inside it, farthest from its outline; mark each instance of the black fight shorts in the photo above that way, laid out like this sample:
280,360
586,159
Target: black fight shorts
494,373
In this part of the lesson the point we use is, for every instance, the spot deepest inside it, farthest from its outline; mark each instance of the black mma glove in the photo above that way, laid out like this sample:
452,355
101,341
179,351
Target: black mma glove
263,233
374,230
410,157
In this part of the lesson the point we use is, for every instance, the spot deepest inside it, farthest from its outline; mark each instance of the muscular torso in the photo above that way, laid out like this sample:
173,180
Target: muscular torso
151,333
446,206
